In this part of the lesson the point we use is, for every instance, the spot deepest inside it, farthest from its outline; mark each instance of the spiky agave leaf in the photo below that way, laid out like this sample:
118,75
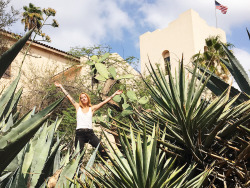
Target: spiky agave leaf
239,73
218,86
7,99
7,57
42,154
70,169
83,180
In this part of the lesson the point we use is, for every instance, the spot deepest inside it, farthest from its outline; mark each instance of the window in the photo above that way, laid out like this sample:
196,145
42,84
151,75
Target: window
166,57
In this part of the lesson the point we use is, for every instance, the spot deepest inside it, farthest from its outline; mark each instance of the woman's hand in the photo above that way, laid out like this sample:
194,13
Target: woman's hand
57,84
98,106
118,92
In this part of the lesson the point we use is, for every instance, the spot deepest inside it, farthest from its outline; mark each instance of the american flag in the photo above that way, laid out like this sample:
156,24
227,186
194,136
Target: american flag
222,8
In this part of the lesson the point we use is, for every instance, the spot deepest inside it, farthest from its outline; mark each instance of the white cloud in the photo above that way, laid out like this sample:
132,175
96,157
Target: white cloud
159,13
88,22
238,14
83,23
244,59
131,1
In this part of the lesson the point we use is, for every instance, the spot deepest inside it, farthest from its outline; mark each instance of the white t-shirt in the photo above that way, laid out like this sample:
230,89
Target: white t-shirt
84,120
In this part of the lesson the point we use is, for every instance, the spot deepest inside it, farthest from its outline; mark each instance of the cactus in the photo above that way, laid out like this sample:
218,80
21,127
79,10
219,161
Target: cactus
131,95
102,70
112,71
143,100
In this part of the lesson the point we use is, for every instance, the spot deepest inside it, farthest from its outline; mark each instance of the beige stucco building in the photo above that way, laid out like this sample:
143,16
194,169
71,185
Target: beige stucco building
41,61
186,35
47,63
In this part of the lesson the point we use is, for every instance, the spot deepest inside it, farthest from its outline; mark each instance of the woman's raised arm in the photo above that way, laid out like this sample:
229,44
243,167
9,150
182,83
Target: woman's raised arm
75,104
98,106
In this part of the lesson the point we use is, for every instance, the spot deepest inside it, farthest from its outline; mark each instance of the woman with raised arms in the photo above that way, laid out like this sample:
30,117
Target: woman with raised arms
84,114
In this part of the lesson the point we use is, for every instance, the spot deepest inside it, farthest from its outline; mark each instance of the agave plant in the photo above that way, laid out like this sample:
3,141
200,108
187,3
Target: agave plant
34,163
141,162
14,134
197,129
80,178
40,163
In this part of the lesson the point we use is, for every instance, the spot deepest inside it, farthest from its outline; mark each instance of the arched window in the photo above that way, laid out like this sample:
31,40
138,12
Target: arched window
166,57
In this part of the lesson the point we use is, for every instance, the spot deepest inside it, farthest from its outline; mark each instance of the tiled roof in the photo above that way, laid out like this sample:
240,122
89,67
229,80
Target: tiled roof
42,44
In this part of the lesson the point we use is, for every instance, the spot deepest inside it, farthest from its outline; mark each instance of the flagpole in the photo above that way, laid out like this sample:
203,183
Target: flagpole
215,14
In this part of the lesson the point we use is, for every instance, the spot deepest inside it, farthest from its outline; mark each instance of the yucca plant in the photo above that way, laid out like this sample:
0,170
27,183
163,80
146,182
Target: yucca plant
141,162
198,129
218,86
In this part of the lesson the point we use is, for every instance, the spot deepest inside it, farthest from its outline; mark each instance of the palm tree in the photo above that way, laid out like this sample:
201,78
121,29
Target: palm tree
213,52
32,17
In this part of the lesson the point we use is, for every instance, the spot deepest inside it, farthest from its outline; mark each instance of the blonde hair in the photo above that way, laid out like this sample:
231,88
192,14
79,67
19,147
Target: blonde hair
80,102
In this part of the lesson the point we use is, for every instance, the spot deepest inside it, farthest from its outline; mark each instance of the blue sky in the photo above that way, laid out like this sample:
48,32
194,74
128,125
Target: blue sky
119,23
